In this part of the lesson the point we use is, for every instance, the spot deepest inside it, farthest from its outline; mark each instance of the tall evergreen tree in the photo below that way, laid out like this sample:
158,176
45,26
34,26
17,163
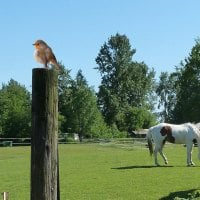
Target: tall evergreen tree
78,107
64,98
83,108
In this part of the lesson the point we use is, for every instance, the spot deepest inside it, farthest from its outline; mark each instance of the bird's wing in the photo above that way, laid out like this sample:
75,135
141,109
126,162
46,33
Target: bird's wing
51,57
49,54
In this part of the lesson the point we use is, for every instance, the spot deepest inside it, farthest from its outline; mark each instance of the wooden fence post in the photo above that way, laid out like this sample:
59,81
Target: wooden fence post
5,195
44,139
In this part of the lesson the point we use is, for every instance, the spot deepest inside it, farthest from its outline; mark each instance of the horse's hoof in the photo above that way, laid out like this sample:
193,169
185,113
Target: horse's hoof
166,162
191,164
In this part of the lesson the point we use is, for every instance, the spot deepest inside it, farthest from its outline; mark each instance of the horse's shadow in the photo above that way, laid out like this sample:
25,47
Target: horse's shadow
140,167
182,194
150,166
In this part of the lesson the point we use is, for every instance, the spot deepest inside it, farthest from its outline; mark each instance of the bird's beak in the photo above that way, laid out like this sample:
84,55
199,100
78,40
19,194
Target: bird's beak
34,44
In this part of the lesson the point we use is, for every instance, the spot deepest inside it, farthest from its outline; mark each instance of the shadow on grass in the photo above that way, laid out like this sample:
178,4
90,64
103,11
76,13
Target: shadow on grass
140,167
182,194
151,166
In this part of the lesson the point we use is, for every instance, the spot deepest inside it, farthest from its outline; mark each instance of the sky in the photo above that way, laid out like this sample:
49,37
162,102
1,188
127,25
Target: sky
162,32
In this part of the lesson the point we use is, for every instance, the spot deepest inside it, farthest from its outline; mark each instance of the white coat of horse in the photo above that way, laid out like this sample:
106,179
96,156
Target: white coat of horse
179,134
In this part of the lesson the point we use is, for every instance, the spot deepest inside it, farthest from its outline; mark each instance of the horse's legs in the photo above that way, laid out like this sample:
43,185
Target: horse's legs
156,156
163,156
189,154
158,148
198,141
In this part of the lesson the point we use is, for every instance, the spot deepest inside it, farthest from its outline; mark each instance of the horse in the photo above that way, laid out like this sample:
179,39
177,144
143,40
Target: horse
186,134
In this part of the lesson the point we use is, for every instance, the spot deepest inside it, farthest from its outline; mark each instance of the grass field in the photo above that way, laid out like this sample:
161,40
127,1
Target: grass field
105,172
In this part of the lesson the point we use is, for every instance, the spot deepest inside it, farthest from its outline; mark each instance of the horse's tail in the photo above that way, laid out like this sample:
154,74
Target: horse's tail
149,141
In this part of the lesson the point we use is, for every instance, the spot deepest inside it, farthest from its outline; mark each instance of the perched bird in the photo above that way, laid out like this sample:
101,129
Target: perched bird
44,54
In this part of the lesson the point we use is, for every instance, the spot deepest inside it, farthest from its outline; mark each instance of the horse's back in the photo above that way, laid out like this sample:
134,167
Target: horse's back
181,133
173,133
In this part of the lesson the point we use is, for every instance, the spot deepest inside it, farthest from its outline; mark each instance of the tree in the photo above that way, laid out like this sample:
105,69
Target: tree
137,118
78,107
15,110
167,90
188,97
64,96
84,111
64,83
179,91
125,84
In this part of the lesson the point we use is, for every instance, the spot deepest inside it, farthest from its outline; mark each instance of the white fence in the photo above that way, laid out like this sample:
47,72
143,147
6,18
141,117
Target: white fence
9,142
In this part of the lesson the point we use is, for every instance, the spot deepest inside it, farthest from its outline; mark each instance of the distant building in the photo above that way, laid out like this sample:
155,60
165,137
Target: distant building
141,133
76,137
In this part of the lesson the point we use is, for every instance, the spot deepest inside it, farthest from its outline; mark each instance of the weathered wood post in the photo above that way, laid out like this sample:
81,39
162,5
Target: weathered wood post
5,195
44,139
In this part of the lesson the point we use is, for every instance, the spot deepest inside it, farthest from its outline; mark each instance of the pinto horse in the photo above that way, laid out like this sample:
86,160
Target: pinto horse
178,134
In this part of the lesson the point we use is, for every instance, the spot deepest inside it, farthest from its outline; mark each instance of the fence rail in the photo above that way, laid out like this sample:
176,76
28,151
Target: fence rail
9,142
27,141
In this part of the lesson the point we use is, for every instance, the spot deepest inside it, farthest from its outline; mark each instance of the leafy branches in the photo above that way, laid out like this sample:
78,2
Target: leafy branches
179,91
15,110
125,84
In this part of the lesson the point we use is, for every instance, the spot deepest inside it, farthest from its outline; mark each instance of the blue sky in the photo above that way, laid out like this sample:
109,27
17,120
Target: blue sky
162,32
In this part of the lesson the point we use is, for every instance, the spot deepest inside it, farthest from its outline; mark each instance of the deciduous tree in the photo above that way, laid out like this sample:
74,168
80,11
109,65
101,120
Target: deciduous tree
167,90
188,96
125,84
15,110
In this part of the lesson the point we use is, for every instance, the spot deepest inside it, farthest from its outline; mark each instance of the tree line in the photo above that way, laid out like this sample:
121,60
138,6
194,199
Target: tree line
126,99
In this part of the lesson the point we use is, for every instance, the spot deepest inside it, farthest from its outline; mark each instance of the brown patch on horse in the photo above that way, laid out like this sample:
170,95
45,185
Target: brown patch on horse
167,131
194,141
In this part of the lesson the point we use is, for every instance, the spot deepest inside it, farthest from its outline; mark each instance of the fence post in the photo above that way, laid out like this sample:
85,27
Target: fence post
5,195
44,138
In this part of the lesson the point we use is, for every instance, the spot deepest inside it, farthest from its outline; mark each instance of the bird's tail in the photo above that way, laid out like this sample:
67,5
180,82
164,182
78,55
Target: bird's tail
56,65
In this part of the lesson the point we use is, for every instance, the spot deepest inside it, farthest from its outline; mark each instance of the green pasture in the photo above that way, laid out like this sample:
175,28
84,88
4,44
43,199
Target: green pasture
105,171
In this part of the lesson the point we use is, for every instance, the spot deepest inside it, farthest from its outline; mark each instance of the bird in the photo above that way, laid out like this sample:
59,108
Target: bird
44,54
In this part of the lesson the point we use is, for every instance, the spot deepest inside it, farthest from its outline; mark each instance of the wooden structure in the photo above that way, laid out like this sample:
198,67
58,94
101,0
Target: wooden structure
141,133
44,138
5,195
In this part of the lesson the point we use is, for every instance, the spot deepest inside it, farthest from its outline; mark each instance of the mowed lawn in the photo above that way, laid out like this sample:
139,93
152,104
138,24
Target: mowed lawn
105,172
